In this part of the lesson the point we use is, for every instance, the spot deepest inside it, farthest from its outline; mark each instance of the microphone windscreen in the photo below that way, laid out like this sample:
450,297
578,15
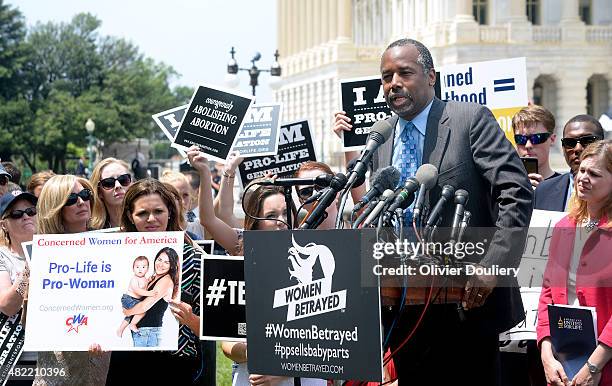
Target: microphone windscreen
338,182
382,127
461,196
388,194
427,175
387,178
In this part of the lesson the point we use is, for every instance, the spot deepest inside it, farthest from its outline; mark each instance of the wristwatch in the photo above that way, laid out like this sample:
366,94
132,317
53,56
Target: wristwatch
592,368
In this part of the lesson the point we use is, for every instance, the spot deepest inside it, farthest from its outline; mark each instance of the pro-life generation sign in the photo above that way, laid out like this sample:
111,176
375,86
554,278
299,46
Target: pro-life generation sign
501,85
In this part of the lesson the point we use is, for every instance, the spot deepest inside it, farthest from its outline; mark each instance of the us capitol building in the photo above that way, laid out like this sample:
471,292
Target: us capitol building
567,43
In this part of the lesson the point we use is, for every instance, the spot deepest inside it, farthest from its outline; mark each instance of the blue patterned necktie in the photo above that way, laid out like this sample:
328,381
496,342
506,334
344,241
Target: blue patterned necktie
408,159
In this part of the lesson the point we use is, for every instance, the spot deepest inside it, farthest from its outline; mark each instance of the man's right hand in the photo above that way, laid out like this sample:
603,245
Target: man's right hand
341,123
535,179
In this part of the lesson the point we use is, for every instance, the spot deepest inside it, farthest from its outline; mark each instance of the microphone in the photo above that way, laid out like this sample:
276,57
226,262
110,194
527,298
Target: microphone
448,191
404,198
383,179
379,134
387,194
318,214
321,180
427,175
464,224
349,167
461,198
313,198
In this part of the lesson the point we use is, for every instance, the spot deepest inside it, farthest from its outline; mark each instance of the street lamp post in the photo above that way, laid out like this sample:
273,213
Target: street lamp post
90,127
254,71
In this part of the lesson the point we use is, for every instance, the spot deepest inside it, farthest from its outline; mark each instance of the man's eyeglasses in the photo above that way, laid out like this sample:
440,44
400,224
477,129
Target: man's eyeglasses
4,180
84,194
570,143
16,214
535,139
109,183
306,192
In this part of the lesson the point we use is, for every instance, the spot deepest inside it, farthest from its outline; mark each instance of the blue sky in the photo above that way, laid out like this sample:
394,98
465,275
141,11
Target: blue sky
193,36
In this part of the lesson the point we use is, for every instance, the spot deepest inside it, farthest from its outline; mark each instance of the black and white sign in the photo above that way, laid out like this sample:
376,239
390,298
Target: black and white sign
212,122
208,246
295,146
260,132
11,344
308,314
363,101
223,299
169,121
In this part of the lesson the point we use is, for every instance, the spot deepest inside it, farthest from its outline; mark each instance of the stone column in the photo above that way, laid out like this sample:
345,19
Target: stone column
519,28
569,11
345,20
332,12
464,28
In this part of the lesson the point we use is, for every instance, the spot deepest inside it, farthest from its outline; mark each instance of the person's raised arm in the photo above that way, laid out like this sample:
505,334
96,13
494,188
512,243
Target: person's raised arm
224,201
222,233
161,287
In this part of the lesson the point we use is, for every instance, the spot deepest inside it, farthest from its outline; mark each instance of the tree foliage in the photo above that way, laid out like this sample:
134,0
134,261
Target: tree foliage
56,76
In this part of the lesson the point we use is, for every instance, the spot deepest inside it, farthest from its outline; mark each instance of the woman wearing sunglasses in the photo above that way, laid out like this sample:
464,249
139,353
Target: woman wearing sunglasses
18,213
111,179
64,206
151,206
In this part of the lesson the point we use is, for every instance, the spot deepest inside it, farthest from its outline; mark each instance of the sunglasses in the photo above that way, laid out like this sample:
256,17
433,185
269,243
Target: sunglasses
109,183
535,139
18,213
306,192
84,194
4,180
570,143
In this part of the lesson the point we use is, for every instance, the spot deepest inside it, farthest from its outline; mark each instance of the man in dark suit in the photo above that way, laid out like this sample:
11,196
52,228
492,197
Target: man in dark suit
578,132
465,143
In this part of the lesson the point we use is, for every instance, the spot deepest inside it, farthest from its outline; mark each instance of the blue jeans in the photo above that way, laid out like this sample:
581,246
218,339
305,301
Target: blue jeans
128,302
147,337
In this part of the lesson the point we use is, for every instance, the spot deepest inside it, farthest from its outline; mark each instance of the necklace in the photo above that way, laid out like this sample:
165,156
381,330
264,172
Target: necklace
589,225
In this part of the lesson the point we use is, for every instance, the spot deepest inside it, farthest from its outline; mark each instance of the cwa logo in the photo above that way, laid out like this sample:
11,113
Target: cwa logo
309,297
76,321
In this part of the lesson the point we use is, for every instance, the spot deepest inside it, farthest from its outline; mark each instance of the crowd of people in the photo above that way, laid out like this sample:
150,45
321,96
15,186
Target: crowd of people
469,150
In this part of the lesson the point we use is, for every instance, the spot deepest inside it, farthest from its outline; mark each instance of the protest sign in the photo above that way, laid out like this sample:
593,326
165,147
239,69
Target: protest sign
212,121
501,85
223,299
169,121
295,147
260,133
208,246
307,313
531,274
363,101
81,283
11,344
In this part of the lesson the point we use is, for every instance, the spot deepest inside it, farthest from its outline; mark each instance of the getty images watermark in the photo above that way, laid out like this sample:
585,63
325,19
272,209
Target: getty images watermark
421,261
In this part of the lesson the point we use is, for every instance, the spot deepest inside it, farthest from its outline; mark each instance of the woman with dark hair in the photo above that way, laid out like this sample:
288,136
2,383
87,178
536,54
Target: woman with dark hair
267,202
164,282
578,271
150,206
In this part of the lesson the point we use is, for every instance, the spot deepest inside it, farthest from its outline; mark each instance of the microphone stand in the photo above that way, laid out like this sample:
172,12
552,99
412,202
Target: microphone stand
288,202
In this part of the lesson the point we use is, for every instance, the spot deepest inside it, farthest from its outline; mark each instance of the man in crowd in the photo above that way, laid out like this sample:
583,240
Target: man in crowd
465,143
534,129
554,193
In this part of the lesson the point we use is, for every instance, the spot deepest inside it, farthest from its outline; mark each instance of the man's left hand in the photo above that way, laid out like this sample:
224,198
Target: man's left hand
477,289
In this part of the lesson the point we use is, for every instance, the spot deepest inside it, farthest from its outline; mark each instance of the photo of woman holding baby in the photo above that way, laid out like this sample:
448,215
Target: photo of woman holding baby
164,286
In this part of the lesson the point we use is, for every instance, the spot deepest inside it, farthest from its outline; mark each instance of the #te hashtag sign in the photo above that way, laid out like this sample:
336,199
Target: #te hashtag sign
216,292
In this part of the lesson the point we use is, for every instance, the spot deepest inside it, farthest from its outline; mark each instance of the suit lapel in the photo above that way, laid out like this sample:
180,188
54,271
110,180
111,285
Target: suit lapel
385,151
436,136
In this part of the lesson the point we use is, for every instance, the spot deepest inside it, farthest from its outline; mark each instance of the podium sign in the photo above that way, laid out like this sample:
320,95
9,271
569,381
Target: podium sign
308,314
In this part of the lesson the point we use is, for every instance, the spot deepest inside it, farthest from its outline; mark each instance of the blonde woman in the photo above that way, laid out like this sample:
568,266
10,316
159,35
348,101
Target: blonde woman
110,179
65,206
